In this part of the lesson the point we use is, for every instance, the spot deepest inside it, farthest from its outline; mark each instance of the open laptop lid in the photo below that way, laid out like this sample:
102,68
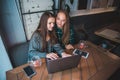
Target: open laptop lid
61,64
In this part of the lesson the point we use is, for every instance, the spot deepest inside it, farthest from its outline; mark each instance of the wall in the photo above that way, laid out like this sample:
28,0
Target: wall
5,63
31,12
12,28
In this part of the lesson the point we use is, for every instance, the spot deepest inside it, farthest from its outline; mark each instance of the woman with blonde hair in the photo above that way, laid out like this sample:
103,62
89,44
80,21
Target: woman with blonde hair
64,30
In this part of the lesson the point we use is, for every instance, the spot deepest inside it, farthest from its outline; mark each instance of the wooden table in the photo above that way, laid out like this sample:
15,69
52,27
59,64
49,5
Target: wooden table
100,65
111,32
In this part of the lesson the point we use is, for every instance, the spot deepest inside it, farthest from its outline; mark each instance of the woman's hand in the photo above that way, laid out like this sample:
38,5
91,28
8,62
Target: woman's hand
52,56
69,46
65,54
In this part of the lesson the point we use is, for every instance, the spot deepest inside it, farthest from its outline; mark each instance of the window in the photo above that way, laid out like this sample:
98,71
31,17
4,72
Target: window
85,7
99,3
31,11
82,4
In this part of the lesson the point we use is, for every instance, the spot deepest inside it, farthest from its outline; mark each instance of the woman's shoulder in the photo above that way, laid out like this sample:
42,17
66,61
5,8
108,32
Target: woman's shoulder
36,34
36,37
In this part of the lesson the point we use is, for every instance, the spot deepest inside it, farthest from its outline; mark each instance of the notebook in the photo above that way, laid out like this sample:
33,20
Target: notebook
61,64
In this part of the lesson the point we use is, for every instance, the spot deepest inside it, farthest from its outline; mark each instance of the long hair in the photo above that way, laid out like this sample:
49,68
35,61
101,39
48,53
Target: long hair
42,29
66,28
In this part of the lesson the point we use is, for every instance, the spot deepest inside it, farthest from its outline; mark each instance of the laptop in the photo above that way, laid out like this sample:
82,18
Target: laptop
61,64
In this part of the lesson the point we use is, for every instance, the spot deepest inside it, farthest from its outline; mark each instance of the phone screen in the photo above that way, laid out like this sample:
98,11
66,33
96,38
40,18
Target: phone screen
85,54
77,51
29,71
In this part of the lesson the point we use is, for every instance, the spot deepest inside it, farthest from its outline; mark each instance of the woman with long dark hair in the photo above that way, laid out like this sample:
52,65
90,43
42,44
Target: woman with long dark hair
43,42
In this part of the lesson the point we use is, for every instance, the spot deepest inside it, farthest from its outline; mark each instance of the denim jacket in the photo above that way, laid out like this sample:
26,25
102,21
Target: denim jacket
35,47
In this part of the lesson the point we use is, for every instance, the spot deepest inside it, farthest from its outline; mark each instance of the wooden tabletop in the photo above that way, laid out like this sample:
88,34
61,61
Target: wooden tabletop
100,65
111,32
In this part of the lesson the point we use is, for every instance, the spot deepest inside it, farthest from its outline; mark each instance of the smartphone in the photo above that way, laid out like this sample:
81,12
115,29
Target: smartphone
85,54
77,52
29,71
82,53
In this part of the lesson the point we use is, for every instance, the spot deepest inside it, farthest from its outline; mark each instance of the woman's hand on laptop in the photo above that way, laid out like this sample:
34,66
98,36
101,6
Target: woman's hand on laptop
52,56
65,54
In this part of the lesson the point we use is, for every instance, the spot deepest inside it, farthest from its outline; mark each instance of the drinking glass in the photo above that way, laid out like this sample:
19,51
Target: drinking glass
82,44
36,61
